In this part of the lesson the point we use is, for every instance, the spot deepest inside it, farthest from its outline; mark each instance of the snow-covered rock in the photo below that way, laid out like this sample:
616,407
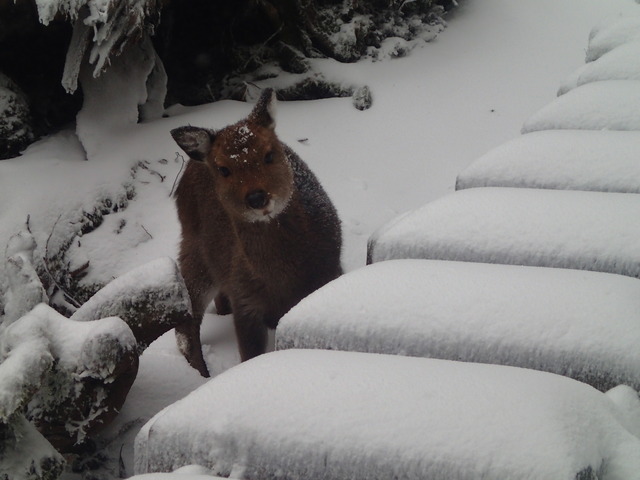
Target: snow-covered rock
585,325
560,159
612,34
338,415
548,228
621,63
610,104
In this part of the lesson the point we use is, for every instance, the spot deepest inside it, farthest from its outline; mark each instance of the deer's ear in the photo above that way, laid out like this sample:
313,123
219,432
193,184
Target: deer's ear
196,142
263,113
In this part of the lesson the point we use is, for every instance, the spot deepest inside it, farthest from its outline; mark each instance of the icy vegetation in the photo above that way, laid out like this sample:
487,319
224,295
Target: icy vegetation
103,28
562,160
542,318
70,377
549,426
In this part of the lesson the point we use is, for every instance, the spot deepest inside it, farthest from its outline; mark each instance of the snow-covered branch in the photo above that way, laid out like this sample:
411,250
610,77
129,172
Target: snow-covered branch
102,27
151,299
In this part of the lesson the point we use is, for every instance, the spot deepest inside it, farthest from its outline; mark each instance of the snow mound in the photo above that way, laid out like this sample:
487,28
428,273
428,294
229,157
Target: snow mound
611,105
173,476
585,325
561,159
628,403
190,472
547,228
614,33
336,415
621,63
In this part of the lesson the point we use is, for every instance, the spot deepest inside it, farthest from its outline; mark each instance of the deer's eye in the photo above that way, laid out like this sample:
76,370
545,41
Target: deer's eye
268,158
224,171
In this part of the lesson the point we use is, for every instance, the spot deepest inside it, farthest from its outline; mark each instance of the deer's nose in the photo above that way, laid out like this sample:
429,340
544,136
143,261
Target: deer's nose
257,199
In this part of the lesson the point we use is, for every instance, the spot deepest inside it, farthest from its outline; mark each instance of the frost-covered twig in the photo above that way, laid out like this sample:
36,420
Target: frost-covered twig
175,181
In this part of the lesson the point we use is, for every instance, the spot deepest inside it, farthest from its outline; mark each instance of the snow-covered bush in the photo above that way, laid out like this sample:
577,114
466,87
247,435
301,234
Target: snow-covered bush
338,415
103,29
605,105
605,161
612,34
16,131
621,63
521,226
70,377
584,325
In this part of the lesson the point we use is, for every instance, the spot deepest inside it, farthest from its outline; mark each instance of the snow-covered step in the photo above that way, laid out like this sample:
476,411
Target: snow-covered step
621,63
611,34
585,325
521,226
605,161
611,105
306,414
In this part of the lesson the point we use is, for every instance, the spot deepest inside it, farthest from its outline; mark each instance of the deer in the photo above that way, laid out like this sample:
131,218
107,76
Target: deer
259,232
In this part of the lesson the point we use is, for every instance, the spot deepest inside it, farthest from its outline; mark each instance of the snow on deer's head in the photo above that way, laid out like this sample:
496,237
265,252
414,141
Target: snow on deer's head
251,174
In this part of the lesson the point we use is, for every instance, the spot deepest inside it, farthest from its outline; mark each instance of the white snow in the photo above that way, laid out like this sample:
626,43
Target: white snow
522,226
610,105
434,112
611,34
66,340
628,403
621,63
112,100
141,283
301,414
560,159
585,325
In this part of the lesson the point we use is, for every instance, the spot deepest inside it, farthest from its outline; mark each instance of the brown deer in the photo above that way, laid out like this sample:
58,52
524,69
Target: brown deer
259,233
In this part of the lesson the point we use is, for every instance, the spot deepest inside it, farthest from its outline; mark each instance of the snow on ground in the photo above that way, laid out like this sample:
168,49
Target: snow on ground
610,105
542,318
433,113
521,226
560,159
542,425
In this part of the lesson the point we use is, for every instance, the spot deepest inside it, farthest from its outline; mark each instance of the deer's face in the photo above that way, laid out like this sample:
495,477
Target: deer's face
252,176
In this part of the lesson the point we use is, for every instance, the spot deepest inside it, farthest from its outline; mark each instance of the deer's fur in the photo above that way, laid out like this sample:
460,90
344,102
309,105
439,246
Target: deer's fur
259,232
